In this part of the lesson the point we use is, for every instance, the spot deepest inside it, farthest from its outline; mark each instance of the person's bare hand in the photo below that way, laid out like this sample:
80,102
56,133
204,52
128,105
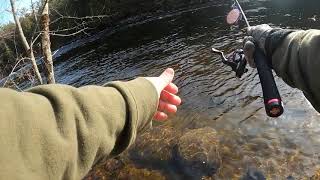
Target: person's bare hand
168,100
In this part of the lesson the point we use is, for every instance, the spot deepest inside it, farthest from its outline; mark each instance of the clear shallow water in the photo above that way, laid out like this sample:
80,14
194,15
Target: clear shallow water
212,96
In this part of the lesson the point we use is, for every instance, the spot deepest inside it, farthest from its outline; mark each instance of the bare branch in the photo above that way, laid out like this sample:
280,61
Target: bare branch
15,42
80,18
59,32
35,39
6,35
70,29
36,22
17,87
13,69
34,12
66,35
24,41
20,31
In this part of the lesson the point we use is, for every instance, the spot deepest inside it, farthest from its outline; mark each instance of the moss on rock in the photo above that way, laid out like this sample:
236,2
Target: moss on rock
198,152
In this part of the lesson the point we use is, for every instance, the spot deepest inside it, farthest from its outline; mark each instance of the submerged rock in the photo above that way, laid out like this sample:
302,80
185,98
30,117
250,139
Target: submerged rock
109,169
316,175
197,152
253,174
133,173
155,145
192,155
116,169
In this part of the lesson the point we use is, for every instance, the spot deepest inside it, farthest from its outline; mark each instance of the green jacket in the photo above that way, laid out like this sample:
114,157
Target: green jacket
59,132
296,59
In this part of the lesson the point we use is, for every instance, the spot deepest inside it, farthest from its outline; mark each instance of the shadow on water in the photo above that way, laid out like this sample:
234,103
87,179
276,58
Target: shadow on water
212,96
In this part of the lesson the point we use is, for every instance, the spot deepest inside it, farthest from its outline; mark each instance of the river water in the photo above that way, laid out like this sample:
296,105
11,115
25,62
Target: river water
212,96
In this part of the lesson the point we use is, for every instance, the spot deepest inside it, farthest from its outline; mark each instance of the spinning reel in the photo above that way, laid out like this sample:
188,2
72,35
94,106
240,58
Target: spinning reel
235,60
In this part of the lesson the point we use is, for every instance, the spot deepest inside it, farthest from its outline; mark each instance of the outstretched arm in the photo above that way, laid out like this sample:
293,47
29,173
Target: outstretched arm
59,132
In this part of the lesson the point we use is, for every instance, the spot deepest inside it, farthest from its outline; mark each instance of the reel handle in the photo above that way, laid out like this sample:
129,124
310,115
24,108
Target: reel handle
271,96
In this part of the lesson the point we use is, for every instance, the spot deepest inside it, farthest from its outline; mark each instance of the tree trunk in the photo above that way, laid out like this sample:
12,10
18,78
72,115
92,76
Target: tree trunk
25,42
45,40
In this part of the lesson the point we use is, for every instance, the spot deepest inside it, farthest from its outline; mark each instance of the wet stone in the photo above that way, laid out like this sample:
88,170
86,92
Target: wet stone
117,169
108,169
271,166
253,174
156,144
260,147
113,165
133,173
197,152
316,175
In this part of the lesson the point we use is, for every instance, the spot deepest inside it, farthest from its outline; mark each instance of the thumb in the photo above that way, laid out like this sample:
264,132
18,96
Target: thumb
167,77
249,31
249,49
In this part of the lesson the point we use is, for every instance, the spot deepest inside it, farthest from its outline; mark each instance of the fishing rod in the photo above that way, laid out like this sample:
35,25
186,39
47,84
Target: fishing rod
236,60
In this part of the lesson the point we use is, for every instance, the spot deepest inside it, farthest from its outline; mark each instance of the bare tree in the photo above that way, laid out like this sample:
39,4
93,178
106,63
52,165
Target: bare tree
24,41
45,40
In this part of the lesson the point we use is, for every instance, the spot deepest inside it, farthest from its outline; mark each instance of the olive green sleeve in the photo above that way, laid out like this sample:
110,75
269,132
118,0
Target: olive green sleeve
59,132
297,62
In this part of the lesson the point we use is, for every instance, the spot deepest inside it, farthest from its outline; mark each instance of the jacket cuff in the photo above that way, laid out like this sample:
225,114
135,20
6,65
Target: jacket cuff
274,40
141,104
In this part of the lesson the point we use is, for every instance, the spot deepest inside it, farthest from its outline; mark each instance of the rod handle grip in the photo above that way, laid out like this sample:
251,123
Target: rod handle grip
272,100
